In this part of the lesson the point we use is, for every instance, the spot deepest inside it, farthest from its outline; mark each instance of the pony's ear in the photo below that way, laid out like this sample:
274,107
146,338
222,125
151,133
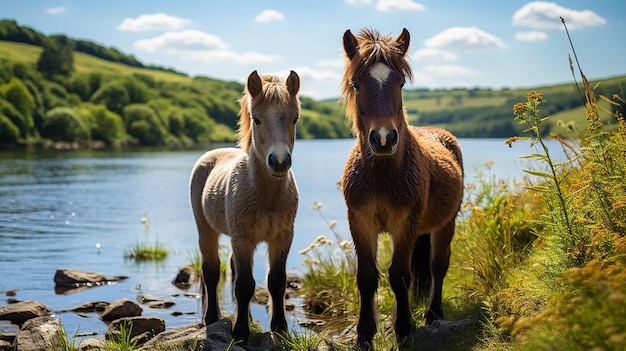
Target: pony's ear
254,86
293,83
350,44
402,41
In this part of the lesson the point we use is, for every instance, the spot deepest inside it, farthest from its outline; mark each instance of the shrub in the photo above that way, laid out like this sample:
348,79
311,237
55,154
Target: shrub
113,95
144,125
64,124
9,133
18,95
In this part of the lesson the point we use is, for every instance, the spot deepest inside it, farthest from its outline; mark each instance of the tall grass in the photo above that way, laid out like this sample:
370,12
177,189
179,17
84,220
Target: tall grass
144,250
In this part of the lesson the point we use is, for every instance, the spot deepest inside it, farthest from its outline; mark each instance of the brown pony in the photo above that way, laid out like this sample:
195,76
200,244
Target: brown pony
401,179
250,194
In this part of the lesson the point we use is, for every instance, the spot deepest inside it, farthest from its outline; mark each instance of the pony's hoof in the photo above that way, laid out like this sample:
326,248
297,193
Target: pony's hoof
432,316
241,335
363,344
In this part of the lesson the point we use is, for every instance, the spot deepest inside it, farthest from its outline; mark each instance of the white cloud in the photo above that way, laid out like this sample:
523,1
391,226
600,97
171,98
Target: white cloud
269,16
157,21
447,71
56,10
332,63
358,2
464,38
318,75
210,56
186,40
545,15
199,46
399,6
432,54
534,35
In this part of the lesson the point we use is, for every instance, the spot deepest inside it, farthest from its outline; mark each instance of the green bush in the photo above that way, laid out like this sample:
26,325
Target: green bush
113,95
64,124
144,125
18,95
9,133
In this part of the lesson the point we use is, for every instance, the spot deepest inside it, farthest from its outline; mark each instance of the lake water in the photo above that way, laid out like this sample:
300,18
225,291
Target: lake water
82,210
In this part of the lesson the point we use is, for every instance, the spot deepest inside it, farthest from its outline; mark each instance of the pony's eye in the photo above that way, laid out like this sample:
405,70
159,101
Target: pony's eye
256,121
402,84
296,119
355,86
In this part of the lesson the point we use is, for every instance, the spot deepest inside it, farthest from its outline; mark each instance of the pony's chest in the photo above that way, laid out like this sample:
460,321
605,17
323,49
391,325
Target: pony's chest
381,193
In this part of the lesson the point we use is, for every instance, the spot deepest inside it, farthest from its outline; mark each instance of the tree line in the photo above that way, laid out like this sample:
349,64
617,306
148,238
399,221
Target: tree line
50,102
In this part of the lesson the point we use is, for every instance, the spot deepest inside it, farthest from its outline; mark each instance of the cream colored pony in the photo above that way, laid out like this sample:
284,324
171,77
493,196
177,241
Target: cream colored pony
250,193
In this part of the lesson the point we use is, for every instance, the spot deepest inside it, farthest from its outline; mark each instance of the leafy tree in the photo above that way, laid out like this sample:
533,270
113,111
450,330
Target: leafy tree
9,132
144,125
56,58
64,124
18,95
114,96
107,126
79,84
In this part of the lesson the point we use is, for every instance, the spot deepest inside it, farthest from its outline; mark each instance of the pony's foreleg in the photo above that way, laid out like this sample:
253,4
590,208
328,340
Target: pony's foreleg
400,281
277,283
209,248
366,245
244,288
439,262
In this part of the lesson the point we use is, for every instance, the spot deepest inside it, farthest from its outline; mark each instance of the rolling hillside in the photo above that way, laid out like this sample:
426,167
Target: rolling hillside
201,109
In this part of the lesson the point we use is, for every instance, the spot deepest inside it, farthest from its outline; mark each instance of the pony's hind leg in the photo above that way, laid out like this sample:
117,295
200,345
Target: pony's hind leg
439,262
209,248
277,283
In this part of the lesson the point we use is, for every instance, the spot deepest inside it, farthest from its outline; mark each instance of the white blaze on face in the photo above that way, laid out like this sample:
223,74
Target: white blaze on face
380,72
383,136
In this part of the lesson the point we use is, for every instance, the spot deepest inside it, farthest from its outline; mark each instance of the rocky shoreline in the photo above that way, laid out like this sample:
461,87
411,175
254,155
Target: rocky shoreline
38,327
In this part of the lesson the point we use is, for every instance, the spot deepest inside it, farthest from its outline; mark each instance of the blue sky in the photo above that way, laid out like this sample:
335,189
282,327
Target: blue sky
456,43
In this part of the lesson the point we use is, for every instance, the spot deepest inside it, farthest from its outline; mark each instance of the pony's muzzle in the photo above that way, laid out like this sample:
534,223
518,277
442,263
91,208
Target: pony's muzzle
279,166
383,142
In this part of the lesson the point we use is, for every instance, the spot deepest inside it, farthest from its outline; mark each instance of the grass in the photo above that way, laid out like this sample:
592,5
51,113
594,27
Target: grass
145,251
541,262
84,63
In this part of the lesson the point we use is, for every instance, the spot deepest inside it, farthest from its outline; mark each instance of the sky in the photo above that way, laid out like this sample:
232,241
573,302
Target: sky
454,44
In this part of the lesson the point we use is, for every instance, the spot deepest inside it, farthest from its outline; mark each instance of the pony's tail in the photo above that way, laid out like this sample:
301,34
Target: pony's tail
420,267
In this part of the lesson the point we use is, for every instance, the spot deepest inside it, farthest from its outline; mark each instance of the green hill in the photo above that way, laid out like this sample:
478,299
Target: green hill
103,102
111,98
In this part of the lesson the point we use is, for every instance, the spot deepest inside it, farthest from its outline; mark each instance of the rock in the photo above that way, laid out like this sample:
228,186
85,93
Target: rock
142,328
442,334
261,295
119,309
96,343
191,337
187,277
69,277
6,341
294,285
154,301
39,334
95,306
20,312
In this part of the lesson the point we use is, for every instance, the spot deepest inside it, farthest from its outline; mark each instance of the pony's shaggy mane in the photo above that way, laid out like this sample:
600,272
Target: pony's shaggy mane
274,92
373,48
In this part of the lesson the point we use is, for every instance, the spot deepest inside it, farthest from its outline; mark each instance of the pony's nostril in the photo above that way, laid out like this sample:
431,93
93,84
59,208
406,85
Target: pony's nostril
287,161
392,137
272,160
374,138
